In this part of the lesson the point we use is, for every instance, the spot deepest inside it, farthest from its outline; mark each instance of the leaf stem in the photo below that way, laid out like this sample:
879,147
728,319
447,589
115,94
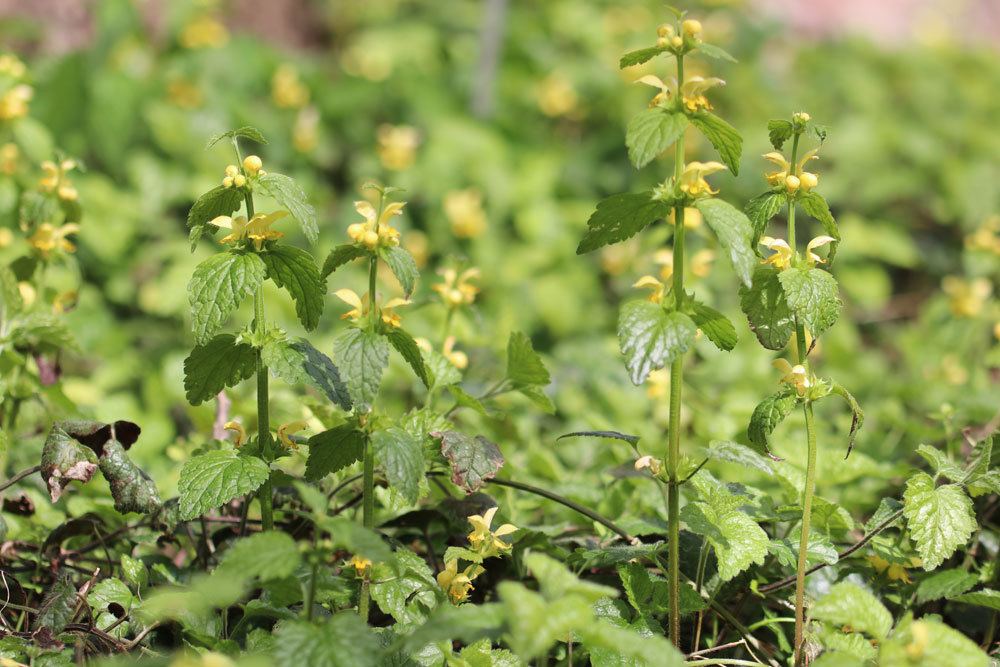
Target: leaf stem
368,520
800,576
27,472
791,204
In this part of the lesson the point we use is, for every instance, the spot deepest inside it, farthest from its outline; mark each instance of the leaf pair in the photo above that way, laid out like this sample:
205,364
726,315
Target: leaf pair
776,298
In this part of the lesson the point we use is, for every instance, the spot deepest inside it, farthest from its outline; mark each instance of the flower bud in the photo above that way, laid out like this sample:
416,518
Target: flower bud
677,41
356,231
801,118
662,41
792,183
232,170
239,180
665,30
692,28
809,180
370,239
228,181
252,164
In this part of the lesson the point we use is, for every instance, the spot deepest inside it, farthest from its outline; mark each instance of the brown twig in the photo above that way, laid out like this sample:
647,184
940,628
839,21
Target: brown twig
19,476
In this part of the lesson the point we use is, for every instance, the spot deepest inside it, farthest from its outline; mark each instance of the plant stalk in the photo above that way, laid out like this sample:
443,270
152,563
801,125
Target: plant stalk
368,520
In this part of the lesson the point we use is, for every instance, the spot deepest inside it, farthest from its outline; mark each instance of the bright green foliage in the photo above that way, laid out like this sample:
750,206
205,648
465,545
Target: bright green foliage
218,201
405,587
524,366
402,457
849,604
401,263
767,415
473,460
218,286
716,326
107,595
298,362
341,255
620,217
716,52
211,480
779,131
362,357
290,196
723,136
940,518
929,643
342,640
766,309
986,597
270,555
812,295
649,594
820,549
295,270
733,230
245,132
945,584
815,205
640,56
761,209
407,348
219,363
651,132
333,450
651,338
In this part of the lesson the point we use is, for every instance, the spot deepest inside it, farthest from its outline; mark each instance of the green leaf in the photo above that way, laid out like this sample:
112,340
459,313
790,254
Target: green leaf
650,595
985,597
929,643
767,415
467,623
620,217
218,201
767,312
630,646
405,588
849,604
211,480
247,132
363,357
761,209
857,414
651,338
219,363
218,286
290,196
294,269
466,400
333,450
723,136
535,624
779,131
813,296
535,394
940,519
131,487
734,452
524,365
266,556
298,362
407,348
819,550
733,230
10,294
135,572
356,539
640,56
402,458
736,538
65,459
58,606
651,132
341,255
815,205
945,584
716,326
108,600
403,266
717,52
343,640
473,460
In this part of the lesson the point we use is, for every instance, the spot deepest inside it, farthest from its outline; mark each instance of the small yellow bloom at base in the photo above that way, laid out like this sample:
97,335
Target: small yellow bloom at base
388,312
556,96
692,181
291,428
287,91
49,238
665,30
795,376
808,180
781,259
204,32
457,289
457,358
693,92
237,428
456,585
818,242
359,304
801,117
656,288
360,564
654,464
258,229
486,541
376,230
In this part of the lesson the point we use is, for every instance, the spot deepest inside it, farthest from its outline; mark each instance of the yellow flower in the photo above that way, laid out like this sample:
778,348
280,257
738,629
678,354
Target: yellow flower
486,541
203,32
55,180
691,27
359,304
817,242
48,238
457,358
801,118
457,289
658,383
792,180
662,97
287,91
252,164
184,94
456,585
693,181
693,92
701,262
893,571
65,302
464,210
237,428
305,132
656,287
795,376
419,247
654,464
9,154
388,312
986,237
397,146
692,218
11,65
360,564
967,297
665,258
665,30
257,230
556,96
14,102
781,259
375,230
286,430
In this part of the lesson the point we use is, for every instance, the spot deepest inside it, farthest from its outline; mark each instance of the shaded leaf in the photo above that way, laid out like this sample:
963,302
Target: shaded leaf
132,489
650,338
614,435
760,210
524,365
473,460
219,363
815,205
343,640
64,460
767,415
333,450
298,362
402,458
716,326
218,201
620,217
294,269
778,132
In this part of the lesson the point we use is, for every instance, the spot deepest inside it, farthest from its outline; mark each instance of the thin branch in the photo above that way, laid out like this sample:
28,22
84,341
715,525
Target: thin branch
19,476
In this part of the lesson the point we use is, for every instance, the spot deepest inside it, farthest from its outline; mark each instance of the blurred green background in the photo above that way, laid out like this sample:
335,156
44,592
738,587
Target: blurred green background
504,122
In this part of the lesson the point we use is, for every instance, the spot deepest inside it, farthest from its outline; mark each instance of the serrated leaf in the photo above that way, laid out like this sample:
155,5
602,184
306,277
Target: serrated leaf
651,338
298,362
218,286
58,606
341,255
405,588
247,132
219,363
651,132
760,210
218,201
819,550
65,459
723,136
849,604
290,196
473,460
717,52
403,266
294,269
813,296
211,480
620,217
815,205
940,519
767,311
734,232
132,489
628,646
640,56
716,326
986,597
614,435
778,132
266,556
929,643
333,450
857,414
362,357
734,452
407,348
343,640
945,584
524,365
767,415
650,595
402,457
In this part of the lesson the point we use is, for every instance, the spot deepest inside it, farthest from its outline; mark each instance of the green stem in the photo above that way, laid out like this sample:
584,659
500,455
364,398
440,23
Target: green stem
800,576
791,204
311,592
368,520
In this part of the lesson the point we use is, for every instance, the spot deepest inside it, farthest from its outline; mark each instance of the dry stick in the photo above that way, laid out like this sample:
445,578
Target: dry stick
788,581
19,476
713,649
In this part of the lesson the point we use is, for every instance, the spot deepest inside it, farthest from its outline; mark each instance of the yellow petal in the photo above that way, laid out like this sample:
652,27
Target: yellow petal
223,221
288,429
237,428
396,303
366,209
782,365
349,297
654,81
647,281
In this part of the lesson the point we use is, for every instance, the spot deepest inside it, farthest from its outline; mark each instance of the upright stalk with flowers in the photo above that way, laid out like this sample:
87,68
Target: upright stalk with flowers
791,302
657,332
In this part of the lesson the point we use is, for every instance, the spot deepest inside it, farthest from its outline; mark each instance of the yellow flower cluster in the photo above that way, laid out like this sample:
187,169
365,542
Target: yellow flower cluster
692,181
397,146
485,542
9,155
284,433
666,34
556,96
692,92
48,238
258,229
457,289
14,99
967,297
782,255
361,307
986,237
893,571
796,376
464,210
204,32
287,90
235,178
55,180
376,231
796,180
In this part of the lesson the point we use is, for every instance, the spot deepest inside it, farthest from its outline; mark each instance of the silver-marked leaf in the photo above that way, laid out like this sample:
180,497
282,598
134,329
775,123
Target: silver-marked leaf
650,338
218,286
296,361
